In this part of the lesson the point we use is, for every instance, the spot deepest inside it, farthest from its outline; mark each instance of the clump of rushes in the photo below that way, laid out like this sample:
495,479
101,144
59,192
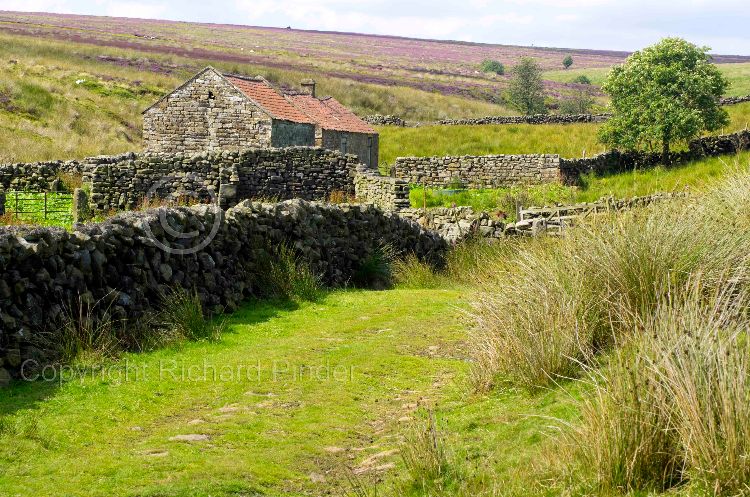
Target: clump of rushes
672,406
289,277
182,313
557,304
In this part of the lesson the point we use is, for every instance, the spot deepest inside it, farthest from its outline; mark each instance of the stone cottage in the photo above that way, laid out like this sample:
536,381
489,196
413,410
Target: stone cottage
215,111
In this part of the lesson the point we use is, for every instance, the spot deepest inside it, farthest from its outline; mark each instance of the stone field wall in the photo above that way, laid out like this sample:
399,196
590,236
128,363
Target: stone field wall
118,267
535,119
616,161
387,192
296,172
484,171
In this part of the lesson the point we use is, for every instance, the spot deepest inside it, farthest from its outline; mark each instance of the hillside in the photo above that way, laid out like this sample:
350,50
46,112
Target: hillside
72,86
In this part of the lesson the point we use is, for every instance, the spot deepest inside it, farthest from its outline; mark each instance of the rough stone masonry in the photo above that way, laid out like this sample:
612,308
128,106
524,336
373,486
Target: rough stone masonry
117,267
484,171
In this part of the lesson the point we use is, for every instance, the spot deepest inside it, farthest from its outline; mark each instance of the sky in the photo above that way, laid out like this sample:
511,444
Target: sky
722,25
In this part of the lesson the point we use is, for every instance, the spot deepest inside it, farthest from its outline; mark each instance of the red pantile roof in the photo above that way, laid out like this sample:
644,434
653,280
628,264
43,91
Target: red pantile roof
330,114
262,93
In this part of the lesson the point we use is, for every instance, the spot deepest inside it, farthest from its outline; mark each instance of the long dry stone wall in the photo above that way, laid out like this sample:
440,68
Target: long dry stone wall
296,172
534,119
121,266
616,161
483,171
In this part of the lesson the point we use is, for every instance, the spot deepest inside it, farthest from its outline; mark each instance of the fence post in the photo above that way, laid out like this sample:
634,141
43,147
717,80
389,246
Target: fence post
81,210
45,206
2,202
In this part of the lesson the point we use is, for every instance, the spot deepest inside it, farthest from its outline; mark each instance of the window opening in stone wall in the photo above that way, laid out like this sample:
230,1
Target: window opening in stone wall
211,95
343,144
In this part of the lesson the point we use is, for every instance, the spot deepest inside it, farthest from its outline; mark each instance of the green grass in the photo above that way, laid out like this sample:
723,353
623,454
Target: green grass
694,176
29,207
567,140
270,431
737,74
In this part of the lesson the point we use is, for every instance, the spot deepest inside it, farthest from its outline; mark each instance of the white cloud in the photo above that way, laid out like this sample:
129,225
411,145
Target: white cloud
60,6
135,9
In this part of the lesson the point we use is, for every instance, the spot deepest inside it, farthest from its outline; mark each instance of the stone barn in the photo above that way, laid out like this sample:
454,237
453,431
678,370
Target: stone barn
214,111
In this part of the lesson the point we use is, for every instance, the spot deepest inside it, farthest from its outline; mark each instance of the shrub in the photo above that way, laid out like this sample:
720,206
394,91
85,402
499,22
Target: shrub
492,66
567,61
289,277
582,80
579,103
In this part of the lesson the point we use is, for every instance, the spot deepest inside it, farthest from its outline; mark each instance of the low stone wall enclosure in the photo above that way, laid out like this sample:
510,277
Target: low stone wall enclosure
484,171
120,267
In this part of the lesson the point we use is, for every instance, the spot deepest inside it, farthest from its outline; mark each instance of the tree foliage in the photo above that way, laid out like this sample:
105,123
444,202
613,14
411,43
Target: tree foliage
492,66
663,94
567,61
526,91
578,103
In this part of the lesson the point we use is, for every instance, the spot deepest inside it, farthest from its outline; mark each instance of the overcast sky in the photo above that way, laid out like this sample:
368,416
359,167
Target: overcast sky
723,25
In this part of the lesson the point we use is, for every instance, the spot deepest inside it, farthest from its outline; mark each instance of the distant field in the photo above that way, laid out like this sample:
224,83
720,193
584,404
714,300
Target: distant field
567,140
738,75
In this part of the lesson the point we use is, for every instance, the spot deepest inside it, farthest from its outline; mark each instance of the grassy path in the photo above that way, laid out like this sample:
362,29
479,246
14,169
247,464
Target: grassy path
298,393
288,399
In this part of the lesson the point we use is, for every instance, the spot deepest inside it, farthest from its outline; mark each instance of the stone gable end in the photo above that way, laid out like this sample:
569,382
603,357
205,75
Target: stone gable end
205,114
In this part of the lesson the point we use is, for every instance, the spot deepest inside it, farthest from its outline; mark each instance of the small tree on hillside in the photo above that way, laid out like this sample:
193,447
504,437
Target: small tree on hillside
665,93
526,91
567,61
492,66
578,103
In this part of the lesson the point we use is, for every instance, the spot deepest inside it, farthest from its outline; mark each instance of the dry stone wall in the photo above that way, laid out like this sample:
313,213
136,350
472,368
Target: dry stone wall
384,191
457,223
534,119
616,161
484,171
118,266
734,100
295,172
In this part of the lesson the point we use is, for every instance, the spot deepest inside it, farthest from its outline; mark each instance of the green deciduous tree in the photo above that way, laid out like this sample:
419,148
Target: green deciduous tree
663,94
567,61
526,91
578,103
492,66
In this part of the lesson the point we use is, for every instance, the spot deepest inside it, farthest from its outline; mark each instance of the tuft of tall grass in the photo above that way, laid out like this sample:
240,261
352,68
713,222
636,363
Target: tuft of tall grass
410,272
672,407
182,314
558,303
426,457
290,277
376,269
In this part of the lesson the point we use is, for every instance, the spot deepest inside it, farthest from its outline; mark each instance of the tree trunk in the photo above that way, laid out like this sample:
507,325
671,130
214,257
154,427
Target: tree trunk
665,155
